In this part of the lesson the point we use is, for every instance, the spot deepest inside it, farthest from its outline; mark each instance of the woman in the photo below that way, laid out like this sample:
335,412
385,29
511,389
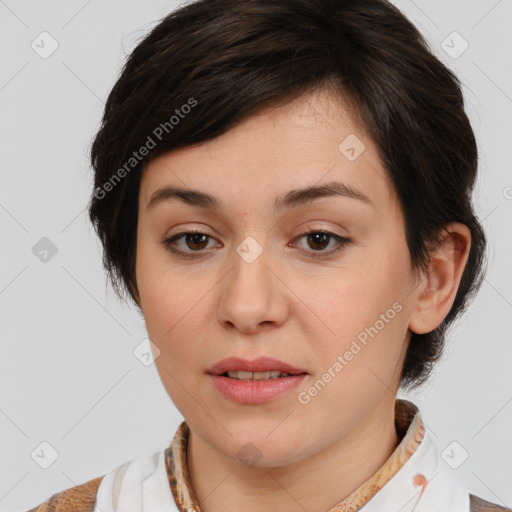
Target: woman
284,190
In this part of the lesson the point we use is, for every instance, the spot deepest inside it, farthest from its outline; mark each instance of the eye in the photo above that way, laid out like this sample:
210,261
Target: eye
198,241
319,239
194,239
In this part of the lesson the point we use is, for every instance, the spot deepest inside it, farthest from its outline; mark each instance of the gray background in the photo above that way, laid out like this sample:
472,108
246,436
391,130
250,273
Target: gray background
68,375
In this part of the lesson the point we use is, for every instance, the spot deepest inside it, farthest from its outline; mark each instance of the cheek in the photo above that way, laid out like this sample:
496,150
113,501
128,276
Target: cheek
170,313
163,293
364,353
347,304
362,316
174,311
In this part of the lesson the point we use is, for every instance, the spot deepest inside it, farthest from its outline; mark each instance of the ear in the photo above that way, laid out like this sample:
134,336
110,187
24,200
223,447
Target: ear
437,290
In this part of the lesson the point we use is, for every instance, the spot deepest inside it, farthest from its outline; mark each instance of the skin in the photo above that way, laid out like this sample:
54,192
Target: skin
286,304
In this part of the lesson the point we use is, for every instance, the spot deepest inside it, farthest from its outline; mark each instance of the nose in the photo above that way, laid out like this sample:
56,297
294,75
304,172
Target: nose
252,297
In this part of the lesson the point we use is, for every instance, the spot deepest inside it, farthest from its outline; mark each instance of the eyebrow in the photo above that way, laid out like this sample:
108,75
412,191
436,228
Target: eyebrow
291,199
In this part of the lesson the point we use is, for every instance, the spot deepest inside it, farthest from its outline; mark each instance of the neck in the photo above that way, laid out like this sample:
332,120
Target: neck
315,484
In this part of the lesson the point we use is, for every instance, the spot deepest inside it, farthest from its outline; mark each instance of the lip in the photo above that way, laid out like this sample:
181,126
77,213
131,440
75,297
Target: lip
254,391
261,364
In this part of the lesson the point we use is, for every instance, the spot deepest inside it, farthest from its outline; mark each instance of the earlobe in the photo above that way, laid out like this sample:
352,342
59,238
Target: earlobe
437,291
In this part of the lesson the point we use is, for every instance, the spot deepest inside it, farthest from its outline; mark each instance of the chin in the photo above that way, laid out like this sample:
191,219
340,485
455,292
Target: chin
255,449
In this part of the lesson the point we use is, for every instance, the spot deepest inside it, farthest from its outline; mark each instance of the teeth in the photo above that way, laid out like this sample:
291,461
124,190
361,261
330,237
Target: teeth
242,375
256,375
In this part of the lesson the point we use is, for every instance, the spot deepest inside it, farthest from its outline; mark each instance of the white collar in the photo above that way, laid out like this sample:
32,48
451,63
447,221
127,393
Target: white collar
442,492
140,485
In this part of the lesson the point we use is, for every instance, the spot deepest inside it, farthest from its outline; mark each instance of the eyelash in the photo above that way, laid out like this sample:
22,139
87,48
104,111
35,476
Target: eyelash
341,241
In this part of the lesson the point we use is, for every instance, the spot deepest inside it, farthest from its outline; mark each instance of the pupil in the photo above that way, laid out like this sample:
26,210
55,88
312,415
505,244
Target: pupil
318,238
194,237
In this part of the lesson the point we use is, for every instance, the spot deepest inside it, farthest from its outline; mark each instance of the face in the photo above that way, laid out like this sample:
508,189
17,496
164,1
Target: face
321,282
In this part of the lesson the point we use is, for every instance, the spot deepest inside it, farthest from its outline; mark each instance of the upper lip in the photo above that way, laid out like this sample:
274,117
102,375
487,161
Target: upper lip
261,364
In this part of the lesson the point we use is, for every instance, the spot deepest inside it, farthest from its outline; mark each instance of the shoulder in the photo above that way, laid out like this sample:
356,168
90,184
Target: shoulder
479,505
81,498
125,484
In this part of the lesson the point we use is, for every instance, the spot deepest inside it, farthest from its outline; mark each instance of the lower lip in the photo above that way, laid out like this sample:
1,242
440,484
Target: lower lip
255,391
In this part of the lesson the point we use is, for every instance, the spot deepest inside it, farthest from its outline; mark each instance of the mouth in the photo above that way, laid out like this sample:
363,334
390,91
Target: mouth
262,368
255,382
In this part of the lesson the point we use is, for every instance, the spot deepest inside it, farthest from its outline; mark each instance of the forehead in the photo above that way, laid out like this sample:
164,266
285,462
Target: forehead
311,140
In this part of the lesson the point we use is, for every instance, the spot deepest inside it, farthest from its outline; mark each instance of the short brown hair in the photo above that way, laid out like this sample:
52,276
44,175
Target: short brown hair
228,59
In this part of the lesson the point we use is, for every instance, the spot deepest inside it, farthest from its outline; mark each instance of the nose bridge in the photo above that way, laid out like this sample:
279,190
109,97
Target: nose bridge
251,294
